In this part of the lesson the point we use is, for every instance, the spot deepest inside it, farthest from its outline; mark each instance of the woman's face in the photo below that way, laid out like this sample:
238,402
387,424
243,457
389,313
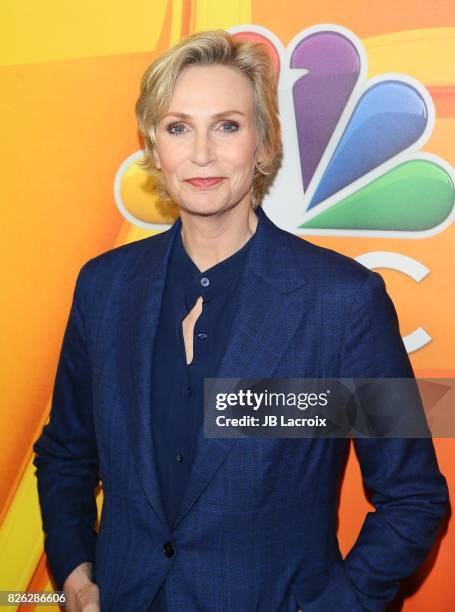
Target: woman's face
209,130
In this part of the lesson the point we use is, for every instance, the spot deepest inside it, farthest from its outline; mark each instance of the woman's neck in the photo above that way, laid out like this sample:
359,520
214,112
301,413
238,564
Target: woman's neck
211,239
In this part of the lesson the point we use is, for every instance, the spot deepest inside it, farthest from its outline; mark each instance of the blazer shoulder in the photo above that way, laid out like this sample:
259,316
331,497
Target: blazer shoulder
115,264
322,265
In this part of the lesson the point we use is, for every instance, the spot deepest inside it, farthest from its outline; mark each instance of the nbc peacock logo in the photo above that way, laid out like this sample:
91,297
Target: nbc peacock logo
352,163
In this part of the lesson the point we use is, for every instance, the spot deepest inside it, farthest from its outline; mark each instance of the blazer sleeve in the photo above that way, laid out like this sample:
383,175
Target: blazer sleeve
408,491
66,452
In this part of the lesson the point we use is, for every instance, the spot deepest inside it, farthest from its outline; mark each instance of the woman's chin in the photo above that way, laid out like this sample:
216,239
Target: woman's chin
203,208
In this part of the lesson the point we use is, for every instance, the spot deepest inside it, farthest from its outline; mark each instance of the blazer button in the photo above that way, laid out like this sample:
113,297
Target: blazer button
168,549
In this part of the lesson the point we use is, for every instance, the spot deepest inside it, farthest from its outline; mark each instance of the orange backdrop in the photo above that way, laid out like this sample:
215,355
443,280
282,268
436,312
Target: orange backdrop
70,76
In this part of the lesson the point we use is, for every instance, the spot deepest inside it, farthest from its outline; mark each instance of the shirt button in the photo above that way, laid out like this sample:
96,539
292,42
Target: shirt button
168,549
205,281
189,391
202,335
179,457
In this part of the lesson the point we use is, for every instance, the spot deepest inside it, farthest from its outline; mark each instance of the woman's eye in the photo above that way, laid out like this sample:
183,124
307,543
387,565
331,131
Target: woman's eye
231,124
179,129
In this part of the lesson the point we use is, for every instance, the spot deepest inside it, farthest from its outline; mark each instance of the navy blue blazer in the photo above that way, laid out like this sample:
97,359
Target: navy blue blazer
256,531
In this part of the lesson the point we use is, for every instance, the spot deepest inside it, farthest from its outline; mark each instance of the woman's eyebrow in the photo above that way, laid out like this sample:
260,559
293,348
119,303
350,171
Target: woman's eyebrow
186,116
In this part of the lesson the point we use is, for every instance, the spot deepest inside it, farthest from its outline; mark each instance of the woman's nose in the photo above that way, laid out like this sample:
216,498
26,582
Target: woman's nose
203,149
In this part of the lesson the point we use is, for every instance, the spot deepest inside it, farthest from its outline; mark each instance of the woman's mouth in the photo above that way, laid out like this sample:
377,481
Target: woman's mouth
205,183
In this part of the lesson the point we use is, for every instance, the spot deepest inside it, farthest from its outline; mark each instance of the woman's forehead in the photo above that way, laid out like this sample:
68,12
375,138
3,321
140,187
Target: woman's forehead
220,87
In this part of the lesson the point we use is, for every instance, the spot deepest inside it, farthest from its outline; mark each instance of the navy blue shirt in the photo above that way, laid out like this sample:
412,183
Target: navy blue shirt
177,407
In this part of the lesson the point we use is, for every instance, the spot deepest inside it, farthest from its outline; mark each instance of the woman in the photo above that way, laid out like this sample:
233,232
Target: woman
195,523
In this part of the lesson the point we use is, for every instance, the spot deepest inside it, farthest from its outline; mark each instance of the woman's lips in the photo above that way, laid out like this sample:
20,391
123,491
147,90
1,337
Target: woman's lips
205,183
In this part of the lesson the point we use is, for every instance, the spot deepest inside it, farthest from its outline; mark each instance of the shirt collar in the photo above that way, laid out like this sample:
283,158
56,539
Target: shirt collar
211,281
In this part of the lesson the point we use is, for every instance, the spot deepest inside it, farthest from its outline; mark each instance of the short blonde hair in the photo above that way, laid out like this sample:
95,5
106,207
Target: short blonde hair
205,48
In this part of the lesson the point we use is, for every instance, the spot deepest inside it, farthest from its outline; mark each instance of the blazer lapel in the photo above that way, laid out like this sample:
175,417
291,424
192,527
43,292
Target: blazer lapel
143,302
272,303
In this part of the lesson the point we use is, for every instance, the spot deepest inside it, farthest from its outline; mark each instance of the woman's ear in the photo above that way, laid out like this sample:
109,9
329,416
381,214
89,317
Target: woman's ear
156,161
260,157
